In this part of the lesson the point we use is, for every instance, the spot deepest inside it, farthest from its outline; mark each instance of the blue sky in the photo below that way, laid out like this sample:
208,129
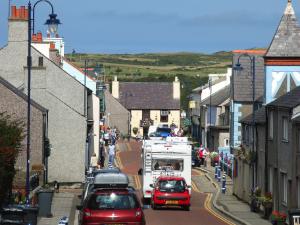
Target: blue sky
138,26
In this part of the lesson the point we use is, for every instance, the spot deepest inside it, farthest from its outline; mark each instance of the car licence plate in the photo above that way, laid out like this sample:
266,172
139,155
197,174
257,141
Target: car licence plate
171,202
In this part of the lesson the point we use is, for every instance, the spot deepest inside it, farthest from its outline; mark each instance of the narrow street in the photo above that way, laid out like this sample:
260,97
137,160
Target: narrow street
129,160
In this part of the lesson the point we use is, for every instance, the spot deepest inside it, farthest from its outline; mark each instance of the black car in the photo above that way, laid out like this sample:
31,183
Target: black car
195,160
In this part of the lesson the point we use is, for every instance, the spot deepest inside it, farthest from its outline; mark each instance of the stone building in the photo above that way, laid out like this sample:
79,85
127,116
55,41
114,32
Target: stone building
283,150
149,103
54,89
14,103
215,113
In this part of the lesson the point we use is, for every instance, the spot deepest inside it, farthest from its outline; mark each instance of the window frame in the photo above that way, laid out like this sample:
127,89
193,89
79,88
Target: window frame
285,129
271,125
284,189
164,116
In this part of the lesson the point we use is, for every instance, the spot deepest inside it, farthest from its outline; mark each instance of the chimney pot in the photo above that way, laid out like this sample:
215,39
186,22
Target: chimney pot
52,45
39,37
13,11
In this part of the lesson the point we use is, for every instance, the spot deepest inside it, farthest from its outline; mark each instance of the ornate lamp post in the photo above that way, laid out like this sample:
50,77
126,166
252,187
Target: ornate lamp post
52,28
238,67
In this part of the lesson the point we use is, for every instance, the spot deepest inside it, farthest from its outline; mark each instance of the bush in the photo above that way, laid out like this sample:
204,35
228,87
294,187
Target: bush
135,130
11,136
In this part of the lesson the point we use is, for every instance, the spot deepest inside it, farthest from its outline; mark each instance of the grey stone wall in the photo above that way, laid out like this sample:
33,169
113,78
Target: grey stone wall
15,106
118,115
57,91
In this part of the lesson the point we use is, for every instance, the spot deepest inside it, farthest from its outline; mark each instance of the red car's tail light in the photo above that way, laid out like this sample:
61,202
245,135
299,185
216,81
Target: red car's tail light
86,213
138,213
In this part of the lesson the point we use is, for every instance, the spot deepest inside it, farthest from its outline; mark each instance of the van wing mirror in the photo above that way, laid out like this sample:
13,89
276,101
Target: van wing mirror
188,186
151,185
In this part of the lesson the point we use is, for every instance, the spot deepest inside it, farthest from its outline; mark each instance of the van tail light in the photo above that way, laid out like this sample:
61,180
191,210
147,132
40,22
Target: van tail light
148,192
87,213
138,213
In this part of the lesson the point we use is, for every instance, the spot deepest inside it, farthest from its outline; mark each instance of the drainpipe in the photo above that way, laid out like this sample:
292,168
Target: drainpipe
266,151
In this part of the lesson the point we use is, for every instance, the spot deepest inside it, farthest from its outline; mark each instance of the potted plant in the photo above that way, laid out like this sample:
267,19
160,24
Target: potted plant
267,203
255,202
278,218
214,158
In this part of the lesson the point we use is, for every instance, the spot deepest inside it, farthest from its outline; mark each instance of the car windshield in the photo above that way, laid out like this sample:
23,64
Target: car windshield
112,201
163,130
175,186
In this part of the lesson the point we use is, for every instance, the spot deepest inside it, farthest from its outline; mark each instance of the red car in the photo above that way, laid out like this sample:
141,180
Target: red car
111,207
170,191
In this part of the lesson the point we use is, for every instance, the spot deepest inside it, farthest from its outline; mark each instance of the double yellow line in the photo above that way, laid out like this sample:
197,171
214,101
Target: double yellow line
137,181
195,187
128,147
118,160
207,206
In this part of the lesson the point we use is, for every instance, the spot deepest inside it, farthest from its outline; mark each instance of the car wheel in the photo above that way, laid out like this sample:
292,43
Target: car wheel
154,206
186,208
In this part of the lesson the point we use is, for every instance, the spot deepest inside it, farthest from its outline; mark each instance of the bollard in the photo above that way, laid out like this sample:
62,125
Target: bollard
224,184
219,174
216,171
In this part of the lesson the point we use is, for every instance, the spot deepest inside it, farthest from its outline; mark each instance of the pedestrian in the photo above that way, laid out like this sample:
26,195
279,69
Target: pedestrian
94,161
102,154
200,155
205,153
111,154
106,138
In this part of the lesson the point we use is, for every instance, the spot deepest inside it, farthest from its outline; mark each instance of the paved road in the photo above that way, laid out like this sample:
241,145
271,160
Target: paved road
129,160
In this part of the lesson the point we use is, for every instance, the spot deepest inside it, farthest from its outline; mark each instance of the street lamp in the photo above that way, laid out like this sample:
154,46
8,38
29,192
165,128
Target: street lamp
238,67
53,23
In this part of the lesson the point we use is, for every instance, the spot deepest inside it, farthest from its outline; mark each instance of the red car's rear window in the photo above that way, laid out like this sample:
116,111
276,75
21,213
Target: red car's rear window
112,201
175,186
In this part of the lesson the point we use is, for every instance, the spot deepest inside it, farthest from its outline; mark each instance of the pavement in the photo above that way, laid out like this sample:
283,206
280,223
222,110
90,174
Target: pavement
63,204
228,204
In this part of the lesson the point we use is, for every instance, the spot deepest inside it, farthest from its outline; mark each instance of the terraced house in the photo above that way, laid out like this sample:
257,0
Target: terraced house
54,88
149,103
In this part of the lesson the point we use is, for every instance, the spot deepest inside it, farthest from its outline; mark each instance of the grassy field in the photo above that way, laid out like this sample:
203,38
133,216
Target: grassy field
192,69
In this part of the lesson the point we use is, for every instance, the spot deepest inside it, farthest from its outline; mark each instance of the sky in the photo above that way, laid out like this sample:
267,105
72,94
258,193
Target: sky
141,26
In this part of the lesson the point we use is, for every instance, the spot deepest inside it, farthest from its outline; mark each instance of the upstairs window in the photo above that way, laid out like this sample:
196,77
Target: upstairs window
285,129
164,116
41,61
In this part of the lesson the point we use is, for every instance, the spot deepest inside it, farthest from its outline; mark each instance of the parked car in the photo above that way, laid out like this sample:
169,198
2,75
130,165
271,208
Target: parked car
91,179
112,201
170,191
195,159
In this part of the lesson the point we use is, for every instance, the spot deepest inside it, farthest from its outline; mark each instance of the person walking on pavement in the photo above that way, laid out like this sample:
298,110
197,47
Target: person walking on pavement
111,154
102,155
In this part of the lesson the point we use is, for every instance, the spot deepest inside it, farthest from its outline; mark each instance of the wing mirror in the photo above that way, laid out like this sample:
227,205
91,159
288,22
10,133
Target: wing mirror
151,185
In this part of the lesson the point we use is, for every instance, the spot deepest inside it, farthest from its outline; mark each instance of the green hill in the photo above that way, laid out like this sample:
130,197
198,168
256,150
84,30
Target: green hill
191,68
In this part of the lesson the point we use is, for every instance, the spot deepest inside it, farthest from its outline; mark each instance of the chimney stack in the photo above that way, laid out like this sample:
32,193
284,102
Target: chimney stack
115,88
18,24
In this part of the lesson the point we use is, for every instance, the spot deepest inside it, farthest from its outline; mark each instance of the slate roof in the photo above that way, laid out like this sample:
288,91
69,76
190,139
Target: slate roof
148,95
242,80
286,41
288,100
21,94
260,117
218,97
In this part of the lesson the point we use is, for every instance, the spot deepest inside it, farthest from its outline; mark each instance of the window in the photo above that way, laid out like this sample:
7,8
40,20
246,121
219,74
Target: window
271,125
41,61
167,164
226,142
164,114
271,180
285,128
284,188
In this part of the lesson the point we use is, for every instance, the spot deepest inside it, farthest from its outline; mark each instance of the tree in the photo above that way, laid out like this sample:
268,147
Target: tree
11,136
